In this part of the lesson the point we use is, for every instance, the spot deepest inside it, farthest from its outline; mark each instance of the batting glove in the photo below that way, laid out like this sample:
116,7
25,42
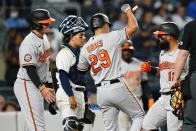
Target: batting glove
145,67
150,102
125,8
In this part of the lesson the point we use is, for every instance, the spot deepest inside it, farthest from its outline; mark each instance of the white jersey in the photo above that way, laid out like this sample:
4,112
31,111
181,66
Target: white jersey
34,51
65,60
166,67
133,76
103,53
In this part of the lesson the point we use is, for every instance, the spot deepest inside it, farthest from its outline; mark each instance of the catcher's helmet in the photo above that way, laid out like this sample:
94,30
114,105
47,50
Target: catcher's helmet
72,25
168,28
39,17
98,20
128,45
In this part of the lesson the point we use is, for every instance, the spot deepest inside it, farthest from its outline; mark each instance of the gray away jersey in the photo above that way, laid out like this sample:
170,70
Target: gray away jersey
166,66
34,51
103,53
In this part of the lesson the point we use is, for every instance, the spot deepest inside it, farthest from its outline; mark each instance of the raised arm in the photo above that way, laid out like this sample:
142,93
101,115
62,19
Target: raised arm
132,22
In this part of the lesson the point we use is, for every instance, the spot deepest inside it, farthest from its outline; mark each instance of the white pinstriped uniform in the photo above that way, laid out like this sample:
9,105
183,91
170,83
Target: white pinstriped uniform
65,60
103,53
32,51
161,112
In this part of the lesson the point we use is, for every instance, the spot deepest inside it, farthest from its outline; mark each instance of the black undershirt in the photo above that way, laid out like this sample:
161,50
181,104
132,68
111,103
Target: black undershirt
32,73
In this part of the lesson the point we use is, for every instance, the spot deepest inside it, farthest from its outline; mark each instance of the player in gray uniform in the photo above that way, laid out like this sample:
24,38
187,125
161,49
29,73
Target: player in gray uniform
103,53
136,80
29,87
70,94
161,112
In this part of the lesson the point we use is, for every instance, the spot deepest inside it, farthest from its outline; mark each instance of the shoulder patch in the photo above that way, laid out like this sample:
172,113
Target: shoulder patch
27,58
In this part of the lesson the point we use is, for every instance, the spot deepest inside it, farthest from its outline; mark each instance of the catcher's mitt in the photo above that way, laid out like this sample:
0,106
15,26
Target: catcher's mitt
176,102
89,116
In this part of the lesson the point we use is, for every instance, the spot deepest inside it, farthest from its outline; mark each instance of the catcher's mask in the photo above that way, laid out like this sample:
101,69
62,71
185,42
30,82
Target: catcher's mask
72,25
98,20
72,124
40,17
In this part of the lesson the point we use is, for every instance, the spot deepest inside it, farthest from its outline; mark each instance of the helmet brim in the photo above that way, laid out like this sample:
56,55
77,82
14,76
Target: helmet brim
46,21
126,47
160,33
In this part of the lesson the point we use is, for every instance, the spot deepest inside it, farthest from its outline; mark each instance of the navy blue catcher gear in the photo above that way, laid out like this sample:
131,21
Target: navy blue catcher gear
72,25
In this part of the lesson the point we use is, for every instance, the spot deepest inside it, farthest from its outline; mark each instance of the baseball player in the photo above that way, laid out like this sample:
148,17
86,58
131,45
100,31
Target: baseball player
70,94
29,87
137,81
161,112
103,53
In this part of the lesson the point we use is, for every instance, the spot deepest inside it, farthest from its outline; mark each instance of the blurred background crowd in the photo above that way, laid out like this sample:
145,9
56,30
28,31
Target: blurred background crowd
14,26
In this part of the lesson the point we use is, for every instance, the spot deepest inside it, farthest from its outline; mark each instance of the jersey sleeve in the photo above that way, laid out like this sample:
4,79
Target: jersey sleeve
65,60
83,63
118,36
28,55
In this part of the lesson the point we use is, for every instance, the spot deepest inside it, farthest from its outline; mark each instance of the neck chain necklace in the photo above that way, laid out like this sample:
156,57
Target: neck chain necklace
173,52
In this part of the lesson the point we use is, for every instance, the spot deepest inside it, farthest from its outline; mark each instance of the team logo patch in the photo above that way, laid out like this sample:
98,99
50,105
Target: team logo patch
27,57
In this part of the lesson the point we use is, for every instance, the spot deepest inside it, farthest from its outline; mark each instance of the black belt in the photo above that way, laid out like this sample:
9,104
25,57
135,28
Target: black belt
79,89
165,93
111,82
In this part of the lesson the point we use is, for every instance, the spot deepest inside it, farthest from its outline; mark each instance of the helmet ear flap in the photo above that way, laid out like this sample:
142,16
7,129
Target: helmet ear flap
35,25
38,17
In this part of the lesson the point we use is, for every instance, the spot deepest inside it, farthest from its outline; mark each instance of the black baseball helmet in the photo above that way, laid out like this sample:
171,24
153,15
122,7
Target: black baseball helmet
39,17
168,28
98,20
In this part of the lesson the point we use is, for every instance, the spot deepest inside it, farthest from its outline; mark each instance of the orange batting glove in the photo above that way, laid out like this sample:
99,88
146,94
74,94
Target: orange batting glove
150,102
145,66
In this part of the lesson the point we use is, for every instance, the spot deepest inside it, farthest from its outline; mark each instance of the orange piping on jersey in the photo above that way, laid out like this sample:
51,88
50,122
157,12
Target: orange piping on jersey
166,65
43,56
25,85
94,45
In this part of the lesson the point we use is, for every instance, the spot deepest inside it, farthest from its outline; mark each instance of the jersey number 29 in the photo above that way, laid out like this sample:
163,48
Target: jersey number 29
101,56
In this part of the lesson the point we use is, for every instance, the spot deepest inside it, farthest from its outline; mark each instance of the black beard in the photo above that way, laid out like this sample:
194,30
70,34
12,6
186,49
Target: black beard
128,60
164,45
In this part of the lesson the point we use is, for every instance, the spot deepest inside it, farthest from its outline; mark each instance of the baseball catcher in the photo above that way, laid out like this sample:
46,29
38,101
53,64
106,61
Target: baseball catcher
70,94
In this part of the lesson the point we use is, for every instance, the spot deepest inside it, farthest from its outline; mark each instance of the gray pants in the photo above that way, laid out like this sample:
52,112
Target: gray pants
114,97
190,107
